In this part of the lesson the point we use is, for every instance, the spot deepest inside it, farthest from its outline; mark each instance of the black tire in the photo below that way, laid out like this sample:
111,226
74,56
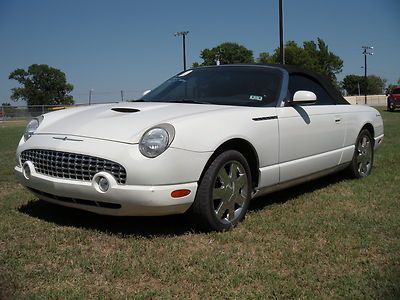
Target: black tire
363,158
219,205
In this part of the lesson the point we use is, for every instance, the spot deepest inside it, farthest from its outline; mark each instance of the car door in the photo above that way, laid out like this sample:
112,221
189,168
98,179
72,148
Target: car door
311,136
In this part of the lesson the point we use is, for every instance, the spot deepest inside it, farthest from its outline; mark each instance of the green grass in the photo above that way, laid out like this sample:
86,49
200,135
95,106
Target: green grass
331,238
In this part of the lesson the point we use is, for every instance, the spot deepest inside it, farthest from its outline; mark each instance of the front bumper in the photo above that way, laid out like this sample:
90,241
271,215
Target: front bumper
118,200
149,182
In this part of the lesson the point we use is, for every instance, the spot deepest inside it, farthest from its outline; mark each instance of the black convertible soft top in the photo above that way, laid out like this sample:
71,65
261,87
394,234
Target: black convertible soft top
322,79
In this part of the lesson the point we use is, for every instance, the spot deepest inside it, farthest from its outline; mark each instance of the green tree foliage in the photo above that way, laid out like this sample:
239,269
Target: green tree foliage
376,84
351,83
226,53
312,56
41,85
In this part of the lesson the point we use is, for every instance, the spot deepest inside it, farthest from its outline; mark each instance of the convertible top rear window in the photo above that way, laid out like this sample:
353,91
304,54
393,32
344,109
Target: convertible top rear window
236,85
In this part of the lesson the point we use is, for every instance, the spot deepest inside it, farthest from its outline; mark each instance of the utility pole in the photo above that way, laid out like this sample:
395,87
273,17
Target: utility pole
365,53
122,96
281,47
183,34
90,96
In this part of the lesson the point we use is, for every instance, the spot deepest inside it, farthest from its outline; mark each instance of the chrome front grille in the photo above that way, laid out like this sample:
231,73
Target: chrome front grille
72,165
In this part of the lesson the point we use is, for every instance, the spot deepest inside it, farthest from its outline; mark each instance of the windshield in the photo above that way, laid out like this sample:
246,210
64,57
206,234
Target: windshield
396,91
225,85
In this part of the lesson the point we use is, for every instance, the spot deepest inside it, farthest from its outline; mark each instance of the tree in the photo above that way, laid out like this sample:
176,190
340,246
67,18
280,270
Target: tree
226,53
376,85
41,85
351,83
312,56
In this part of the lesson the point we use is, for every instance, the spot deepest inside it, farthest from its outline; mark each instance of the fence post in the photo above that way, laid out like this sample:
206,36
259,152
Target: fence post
2,113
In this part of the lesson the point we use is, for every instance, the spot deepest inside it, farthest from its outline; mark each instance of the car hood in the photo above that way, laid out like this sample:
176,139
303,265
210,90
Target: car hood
122,122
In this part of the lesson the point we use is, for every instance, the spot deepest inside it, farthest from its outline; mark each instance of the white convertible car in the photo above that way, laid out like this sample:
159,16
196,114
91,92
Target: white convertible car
205,142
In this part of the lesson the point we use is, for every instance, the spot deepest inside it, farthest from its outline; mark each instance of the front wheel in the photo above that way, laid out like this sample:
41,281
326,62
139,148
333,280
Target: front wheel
391,106
223,194
363,157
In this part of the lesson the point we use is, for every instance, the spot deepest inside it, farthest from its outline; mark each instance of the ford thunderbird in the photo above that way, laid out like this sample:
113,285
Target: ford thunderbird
204,143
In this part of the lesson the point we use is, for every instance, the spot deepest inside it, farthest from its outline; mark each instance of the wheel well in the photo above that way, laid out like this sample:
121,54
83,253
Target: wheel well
370,128
246,149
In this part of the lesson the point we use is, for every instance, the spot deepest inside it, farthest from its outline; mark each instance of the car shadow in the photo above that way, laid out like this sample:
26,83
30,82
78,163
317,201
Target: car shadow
149,227
113,225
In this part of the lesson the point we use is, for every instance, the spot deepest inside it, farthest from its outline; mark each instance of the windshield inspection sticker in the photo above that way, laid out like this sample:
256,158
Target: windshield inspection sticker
254,97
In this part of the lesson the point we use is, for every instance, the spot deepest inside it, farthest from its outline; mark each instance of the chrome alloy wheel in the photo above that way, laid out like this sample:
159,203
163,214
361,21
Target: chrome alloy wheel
364,157
230,191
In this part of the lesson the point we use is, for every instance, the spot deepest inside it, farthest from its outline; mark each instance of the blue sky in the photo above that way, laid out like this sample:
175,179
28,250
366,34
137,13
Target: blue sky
109,46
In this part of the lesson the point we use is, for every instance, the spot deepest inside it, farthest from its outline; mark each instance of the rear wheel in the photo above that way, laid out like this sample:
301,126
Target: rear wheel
363,157
223,194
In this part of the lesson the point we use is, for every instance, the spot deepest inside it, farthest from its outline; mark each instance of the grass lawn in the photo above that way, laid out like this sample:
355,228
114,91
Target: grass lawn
331,238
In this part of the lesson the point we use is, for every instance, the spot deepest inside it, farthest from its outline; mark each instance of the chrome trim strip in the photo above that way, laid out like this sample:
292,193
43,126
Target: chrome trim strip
67,139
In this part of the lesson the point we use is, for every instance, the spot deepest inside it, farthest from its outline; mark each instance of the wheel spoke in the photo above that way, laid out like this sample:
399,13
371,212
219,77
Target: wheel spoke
231,211
223,176
241,181
233,171
240,200
219,193
220,211
368,151
364,142
364,168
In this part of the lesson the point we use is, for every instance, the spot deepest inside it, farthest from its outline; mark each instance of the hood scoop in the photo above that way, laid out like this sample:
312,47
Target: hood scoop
125,109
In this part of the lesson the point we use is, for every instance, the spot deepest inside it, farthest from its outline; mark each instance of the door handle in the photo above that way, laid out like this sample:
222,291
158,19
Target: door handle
338,120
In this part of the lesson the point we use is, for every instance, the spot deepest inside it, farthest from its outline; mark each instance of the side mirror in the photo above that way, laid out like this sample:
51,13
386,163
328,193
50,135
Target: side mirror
146,92
304,97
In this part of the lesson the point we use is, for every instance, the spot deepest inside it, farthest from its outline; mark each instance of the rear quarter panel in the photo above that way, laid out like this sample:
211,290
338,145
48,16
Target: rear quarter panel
357,116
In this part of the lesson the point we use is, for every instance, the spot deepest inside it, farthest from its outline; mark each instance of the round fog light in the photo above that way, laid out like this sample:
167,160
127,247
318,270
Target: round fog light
26,171
104,185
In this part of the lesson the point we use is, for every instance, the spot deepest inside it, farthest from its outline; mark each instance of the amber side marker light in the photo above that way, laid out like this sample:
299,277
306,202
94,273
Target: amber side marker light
180,193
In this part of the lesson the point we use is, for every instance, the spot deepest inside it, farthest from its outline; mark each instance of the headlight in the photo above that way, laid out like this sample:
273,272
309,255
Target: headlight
32,127
156,140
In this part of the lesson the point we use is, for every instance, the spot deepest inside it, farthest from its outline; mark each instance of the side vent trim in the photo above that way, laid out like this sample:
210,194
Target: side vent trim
265,118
